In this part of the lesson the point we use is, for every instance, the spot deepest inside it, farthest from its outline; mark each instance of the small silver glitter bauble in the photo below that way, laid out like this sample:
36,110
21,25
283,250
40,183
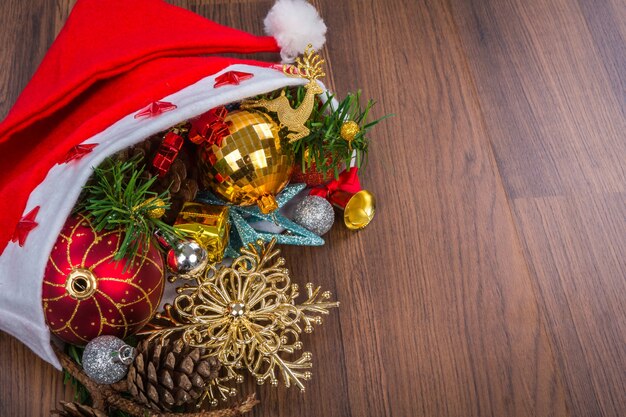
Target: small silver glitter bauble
315,214
187,258
106,359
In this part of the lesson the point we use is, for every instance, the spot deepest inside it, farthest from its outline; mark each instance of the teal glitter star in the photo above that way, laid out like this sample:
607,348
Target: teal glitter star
242,233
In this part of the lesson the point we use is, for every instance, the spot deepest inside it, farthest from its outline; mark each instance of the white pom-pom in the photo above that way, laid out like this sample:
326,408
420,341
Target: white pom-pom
295,24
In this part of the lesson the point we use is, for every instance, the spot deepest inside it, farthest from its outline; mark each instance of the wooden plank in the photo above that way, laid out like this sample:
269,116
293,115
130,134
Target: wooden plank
605,20
30,387
26,34
439,314
551,82
555,121
458,331
576,245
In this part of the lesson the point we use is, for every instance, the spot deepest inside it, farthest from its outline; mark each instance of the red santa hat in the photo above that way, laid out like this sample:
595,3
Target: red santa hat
118,72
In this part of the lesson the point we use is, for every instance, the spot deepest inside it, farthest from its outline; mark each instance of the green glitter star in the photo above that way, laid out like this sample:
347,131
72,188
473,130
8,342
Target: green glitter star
242,233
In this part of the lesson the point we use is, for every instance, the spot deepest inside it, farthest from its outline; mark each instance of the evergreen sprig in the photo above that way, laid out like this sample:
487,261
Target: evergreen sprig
324,149
81,394
119,197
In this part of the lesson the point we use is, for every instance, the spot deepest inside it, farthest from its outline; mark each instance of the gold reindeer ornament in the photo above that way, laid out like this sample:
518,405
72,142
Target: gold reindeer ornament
309,66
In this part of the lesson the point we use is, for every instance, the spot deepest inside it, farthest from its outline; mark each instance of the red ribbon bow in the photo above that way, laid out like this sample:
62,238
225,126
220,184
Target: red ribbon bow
210,127
348,182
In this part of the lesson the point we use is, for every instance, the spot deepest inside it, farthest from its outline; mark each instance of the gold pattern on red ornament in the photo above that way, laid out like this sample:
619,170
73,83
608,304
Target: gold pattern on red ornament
87,294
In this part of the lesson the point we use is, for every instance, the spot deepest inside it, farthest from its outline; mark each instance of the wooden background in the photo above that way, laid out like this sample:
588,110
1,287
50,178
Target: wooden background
492,282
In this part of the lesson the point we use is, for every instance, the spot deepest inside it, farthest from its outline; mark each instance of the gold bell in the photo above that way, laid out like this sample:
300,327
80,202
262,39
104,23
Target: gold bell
358,208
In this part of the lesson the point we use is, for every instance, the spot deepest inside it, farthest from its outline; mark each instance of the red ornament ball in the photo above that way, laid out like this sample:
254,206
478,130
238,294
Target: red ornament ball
88,294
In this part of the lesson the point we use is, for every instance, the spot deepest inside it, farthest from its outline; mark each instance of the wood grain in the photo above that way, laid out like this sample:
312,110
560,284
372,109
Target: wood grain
552,94
492,281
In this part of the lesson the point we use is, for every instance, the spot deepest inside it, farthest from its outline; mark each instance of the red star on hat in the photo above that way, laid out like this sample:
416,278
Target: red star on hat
78,152
24,227
154,109
231,78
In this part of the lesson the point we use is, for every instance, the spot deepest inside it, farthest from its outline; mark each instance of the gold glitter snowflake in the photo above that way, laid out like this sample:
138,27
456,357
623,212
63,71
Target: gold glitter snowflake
246,315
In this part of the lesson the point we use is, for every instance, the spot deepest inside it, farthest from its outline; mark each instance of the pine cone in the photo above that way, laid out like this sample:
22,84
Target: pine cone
168,375
181,179
77,410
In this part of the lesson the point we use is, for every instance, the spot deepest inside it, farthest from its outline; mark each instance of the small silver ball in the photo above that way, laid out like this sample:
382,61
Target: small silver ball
106,359
187,258
315,214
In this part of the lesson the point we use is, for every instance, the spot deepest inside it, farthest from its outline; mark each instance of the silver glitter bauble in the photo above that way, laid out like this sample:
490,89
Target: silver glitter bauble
315,214
187,259
106,359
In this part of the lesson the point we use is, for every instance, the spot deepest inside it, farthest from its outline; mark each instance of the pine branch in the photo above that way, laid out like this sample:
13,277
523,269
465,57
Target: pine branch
81,394
119,197
324,149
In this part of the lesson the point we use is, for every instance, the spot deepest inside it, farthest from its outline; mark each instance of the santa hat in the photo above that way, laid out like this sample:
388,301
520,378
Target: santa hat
119,72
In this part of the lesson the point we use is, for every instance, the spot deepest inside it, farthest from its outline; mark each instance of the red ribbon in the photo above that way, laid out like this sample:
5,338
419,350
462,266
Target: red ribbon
167,153
210,127
348,182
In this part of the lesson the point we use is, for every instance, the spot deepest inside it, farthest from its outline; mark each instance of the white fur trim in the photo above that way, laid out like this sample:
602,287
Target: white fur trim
22,268
295,24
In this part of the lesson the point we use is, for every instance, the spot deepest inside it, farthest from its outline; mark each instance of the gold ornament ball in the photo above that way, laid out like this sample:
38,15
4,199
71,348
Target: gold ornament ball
250,166
349,130
159,210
